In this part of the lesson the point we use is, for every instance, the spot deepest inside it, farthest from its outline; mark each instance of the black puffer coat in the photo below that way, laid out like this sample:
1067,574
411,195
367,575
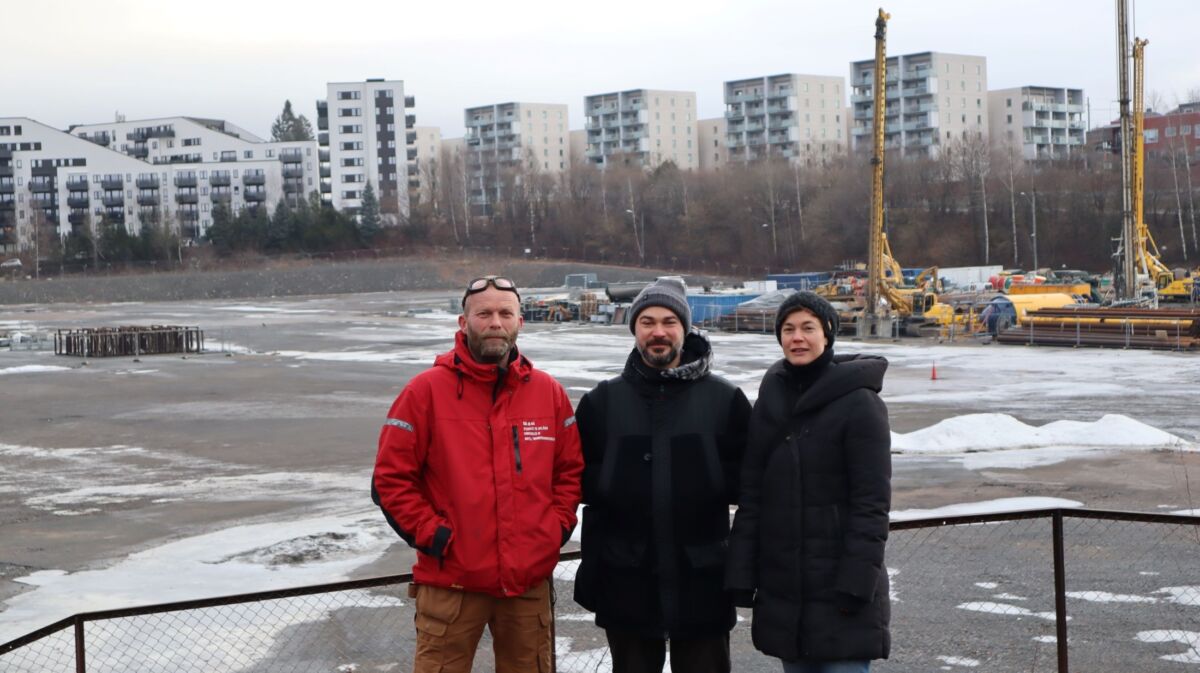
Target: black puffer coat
812,520
662,462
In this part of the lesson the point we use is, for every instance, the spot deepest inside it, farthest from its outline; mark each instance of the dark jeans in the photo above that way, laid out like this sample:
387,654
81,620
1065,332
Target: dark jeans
632,653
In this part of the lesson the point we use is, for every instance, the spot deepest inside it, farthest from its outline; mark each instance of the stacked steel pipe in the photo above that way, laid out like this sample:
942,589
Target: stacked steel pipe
1121,327
102,342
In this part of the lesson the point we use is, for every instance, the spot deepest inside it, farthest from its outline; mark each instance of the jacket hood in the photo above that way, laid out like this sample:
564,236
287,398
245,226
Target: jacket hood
460,360
844,375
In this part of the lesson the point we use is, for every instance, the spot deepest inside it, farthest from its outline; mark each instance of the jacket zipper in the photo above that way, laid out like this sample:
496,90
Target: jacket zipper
517,449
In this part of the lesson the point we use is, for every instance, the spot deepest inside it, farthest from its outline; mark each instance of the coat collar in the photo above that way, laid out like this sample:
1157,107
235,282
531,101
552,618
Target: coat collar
461,361
844,375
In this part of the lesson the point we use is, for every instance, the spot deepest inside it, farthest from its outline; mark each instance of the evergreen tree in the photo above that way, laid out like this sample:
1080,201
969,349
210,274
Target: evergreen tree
368,216
222,233
288,126
280,228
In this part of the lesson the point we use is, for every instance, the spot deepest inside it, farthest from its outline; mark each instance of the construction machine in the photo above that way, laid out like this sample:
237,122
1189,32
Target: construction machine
1155,279
887,299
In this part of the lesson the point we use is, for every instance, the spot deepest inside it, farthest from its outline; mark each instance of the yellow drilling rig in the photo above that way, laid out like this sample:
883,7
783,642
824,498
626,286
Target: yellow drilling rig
887,300
1150,270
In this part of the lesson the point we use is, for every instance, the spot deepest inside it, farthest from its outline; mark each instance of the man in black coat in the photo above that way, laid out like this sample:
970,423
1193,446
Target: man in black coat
662,447
812,523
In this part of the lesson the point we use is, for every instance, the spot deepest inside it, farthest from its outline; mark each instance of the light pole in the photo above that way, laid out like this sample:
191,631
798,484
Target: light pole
1033,234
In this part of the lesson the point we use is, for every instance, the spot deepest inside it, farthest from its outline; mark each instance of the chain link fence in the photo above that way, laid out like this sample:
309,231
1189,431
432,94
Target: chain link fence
990,592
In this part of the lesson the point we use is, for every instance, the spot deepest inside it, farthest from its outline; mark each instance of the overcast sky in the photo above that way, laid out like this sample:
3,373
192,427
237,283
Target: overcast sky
81,61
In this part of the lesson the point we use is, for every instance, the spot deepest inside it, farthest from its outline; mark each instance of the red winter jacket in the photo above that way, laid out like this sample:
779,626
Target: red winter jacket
481,477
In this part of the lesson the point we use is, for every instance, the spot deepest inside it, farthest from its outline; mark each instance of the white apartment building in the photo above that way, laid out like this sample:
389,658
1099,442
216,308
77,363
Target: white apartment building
73,180
503,136
429,155
798,117
933,98
363,129
714,147
1042,122
644,127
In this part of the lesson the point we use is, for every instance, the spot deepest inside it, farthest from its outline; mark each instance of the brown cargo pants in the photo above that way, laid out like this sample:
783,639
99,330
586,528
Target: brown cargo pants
450,623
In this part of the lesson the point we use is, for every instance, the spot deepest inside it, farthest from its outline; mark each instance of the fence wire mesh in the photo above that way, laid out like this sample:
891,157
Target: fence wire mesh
965,596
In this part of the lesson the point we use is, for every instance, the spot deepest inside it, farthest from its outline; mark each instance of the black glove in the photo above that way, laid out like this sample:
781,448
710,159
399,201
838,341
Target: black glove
743,598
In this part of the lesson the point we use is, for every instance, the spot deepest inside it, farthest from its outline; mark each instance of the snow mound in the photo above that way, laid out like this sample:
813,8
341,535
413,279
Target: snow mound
984,507
32,369
993,432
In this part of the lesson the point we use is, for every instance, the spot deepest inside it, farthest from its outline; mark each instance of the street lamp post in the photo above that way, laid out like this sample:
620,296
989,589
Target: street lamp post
1033,234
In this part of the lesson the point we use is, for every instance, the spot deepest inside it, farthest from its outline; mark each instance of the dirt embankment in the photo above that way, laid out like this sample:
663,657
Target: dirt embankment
401,273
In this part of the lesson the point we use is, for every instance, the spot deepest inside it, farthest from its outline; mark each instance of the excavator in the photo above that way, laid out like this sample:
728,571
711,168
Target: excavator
1155,276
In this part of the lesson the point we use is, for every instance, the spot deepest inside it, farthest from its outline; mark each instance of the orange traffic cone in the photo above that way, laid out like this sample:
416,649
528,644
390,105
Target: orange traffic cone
933,373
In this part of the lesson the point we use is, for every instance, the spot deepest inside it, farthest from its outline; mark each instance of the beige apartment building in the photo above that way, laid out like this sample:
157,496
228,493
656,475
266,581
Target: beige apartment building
428,146
714,148
1039,122
797,117
933,98
503,136
643,127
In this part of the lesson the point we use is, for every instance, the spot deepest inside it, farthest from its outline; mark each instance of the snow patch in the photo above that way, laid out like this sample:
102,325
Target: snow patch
1105,597
1005,609
1182,595
959,661
1189,638
986,585
984,507
32,369
996,432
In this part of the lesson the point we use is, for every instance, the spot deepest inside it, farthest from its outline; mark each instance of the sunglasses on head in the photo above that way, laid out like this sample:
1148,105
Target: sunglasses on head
481,284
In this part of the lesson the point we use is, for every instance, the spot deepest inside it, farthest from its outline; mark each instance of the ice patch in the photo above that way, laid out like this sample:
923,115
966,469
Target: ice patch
1008,597
1189,638
1182,595
984,507
32,369
1005,609
986,585
1105,597
1045,639
959,661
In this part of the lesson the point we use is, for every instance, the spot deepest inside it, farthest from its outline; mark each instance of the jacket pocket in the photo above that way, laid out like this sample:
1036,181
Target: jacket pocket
619,553
710,555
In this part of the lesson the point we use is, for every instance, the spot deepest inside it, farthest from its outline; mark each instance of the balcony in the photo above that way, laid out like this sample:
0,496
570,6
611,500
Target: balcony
160,133
147,199
7,187
6,171
139,151
293,187
77,185
109,183
42,187
256,196
113,201
291,157
322,123
44,171
219,179
410,101
323,155
325,189
414,169
138,136
77,218
410,137
78,201
145,182
189,216
115,216
323,139
221,197
411,153
185,181
325,172
254,180
290,172
187,197
410,121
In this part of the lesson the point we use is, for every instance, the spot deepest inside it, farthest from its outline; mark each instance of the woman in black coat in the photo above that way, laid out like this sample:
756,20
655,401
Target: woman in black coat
807,544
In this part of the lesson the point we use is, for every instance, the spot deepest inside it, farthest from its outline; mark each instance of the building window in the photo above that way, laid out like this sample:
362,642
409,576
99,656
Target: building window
1170,131
1010,120
1151,135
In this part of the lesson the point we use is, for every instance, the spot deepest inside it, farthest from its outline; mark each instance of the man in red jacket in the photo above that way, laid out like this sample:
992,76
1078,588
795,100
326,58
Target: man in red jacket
478,469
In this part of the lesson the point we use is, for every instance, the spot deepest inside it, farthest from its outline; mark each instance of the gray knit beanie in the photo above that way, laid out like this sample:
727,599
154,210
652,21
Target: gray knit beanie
668,293
815,304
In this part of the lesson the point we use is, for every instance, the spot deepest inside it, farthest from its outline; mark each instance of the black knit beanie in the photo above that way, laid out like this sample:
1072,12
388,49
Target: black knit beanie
668,293
817,305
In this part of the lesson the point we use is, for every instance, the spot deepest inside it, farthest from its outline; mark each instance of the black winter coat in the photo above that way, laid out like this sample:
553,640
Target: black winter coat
662,463
812,521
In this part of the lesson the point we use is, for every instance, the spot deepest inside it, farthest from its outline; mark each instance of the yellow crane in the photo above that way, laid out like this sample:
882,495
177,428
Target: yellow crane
1147,258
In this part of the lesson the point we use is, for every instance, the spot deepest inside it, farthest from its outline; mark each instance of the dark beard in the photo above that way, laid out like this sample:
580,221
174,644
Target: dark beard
659,361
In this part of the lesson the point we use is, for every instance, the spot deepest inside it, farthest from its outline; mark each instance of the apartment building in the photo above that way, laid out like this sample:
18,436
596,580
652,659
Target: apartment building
643,127
714,147
1040,122
367,137
1171,135
429,155
72,182
503,136
933,98
797,117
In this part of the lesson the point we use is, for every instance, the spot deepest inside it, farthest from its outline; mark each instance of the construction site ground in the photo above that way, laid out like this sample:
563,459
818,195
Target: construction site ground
111,466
